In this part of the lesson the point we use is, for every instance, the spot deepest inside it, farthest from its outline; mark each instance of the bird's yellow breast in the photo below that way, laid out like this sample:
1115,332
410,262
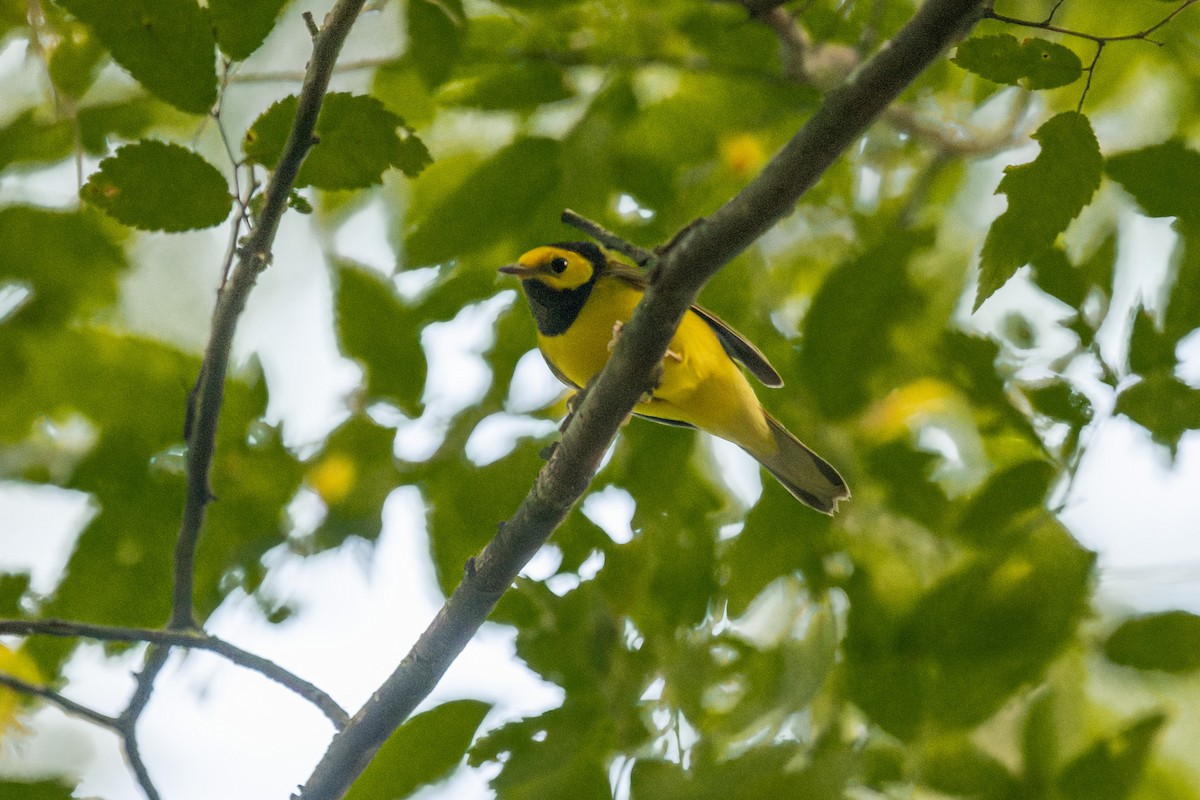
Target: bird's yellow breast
700,384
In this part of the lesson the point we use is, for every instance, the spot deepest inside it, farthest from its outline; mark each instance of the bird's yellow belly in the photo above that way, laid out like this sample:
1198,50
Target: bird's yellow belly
700,384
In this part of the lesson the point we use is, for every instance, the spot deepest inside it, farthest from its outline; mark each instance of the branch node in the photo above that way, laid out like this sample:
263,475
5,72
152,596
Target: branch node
311,24
547,452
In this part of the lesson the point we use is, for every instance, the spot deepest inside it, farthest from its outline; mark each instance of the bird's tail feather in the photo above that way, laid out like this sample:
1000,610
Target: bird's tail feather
811,479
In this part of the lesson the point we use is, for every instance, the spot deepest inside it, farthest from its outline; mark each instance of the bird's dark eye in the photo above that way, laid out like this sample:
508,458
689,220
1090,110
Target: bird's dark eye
559,265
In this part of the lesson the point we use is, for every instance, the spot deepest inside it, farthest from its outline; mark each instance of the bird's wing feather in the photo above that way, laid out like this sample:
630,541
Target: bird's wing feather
736,345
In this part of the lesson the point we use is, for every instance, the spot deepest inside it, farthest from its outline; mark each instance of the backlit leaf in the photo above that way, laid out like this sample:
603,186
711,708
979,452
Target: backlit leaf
1168,641
1032,63
1164,178
1110,769
1163,405
357,140
423,750
1043,197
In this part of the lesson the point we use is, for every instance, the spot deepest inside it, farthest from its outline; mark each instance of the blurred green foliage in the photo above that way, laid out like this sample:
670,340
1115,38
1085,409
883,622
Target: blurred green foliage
939,637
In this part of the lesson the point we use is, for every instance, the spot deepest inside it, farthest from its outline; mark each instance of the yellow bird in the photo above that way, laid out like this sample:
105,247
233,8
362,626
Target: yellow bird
580,300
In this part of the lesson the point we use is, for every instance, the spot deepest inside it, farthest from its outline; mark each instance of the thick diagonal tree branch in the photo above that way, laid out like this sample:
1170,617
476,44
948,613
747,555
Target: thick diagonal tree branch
683,268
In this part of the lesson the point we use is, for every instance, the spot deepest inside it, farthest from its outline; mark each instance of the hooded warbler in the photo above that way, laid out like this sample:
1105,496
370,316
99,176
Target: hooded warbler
580,299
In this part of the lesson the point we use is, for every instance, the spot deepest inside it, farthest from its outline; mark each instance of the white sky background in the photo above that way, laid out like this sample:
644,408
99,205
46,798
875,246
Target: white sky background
214,730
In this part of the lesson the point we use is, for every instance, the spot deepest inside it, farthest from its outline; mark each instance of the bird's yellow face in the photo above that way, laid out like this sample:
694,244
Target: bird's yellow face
557,267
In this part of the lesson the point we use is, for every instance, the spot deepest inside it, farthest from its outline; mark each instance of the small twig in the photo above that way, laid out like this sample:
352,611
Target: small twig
1097,39
612,241
66,704
1053,11
133,755
194,640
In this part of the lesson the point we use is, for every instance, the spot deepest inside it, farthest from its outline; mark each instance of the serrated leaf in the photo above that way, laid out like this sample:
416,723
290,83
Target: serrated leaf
241,26
1163,405
383,334
357,142
1043,197
1164,179
1032,63
422,751
157,186
1169,641
412,156
1111,768
167,46
435,34
847,329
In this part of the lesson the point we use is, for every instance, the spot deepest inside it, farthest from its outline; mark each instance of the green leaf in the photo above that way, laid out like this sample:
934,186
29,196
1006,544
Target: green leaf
241,26
134,477
69,260
357,142
905,473
75,60
37,790
157,186
971,641
423,750
1059,278
167,46
353,476
495,202
847,332
956,767
1149,349
435,34
1169,641
1033,63
1183,305
1043,197
521,85
764,771
1164,179
30,140
1112,767
775,541
1005,498
1163,405
13,587
561,753
382,334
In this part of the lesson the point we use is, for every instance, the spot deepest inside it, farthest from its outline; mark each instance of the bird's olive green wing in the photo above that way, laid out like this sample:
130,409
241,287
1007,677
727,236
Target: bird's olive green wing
737,346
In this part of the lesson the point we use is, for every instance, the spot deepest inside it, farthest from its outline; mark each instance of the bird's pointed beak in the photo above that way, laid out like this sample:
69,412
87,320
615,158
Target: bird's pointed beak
518,270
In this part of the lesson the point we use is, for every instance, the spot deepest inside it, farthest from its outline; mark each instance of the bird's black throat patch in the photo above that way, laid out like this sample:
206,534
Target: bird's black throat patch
555,309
